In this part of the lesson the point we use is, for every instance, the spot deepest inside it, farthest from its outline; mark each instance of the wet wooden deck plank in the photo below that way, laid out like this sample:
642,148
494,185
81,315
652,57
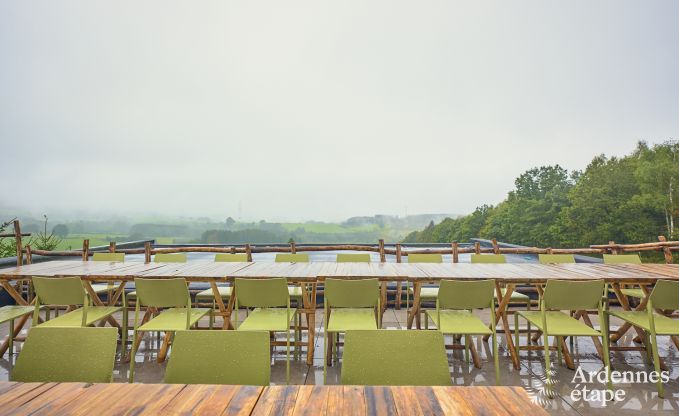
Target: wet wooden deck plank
177,399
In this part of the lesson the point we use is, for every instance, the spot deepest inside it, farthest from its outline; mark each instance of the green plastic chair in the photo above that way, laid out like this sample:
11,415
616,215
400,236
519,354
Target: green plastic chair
8,314
171,295
626,259
516,297
427,293
59,291
162,258
556,258
108,257
220,357
208,295
349,305
353,258
170,258
231,257
272,312
295,291
454,312
395,358
560,295
84,355
664,296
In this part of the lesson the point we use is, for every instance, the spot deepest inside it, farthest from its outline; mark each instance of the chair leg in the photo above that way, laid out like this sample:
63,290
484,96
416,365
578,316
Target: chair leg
287,356
466,348
327,358
496,359
656,364
10,341
516,331
548,366
135,339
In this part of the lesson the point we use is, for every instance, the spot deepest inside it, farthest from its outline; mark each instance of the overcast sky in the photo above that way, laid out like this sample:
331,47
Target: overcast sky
321,110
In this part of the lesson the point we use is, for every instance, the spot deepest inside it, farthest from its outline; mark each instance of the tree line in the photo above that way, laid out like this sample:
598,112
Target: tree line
630,199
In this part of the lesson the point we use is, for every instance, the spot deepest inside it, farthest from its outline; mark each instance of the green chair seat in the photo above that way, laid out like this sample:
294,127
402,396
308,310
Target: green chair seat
559,324
174,319
75,318
633,293
224,292
102,288
84,355
426,292
459,322
295,291
11,312
267,319
516,296
345,319
663,324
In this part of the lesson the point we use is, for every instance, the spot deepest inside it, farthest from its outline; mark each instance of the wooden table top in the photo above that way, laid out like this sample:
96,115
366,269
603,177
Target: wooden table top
152,399
203,270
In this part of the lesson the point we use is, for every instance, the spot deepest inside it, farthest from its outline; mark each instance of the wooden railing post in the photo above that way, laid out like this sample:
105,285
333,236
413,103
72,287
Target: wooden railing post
383,257
477,247
86,249
496,249
666,250
248,251
112,247
293,247
147,252
29,254
398,253
614,250
456,250
233,249
17,238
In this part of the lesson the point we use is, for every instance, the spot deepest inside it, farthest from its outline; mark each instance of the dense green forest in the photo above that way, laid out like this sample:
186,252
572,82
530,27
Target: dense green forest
629,199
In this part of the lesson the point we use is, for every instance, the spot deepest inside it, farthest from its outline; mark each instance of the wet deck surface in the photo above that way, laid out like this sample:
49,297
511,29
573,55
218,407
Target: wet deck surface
640,398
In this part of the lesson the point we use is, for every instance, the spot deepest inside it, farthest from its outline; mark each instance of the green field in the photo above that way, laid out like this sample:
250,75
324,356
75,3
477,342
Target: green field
327,227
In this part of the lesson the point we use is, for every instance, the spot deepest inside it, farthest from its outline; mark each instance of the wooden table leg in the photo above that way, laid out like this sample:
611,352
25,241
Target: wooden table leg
414,311
13,293
566,353
309,302
501,311
625,305
226,315
97,302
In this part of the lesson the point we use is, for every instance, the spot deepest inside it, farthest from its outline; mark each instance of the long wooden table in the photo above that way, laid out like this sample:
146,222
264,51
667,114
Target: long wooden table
307,275
160,399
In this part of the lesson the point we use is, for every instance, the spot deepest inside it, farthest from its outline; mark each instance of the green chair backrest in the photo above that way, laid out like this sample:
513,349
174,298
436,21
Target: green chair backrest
170,258
262,293
489,258
363,293
231,258
117,257
220,357
84,355
622,259
59,290
573,295
292,258
665,295
425,258
376,358
353,258
466,294
162,293
556,258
